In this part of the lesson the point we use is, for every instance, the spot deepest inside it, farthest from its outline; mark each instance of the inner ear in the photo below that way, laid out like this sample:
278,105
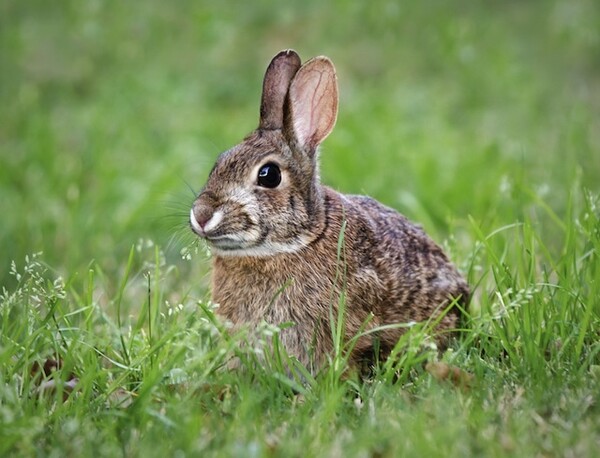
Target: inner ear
276,83
312,103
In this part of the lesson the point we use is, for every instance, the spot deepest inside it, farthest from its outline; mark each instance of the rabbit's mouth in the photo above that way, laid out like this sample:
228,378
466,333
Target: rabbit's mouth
243,240
228,242
217,230
232,246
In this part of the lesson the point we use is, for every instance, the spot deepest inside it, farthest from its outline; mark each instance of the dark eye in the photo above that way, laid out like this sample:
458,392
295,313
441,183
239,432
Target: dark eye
269,176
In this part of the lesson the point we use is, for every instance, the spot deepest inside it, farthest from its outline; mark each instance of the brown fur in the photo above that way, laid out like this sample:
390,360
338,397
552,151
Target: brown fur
276,250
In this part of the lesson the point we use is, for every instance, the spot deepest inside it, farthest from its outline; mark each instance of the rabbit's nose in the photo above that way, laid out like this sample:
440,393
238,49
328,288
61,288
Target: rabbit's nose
200,215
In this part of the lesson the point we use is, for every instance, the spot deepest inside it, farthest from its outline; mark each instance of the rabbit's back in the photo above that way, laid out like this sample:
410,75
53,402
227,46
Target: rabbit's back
417,277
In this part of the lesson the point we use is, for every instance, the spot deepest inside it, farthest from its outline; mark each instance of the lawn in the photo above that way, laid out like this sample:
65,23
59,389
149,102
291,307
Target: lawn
479,120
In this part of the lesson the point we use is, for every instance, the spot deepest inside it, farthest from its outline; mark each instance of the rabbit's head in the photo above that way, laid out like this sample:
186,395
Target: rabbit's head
263,196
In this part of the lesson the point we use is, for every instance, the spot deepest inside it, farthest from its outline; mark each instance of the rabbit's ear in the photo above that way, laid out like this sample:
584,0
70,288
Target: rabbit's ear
280,72
313,102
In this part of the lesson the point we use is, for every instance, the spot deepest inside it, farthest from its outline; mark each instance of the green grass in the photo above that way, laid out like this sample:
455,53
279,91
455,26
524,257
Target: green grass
480,120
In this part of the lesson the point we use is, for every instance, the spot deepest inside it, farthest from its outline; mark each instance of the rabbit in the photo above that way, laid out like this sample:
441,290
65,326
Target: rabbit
274,232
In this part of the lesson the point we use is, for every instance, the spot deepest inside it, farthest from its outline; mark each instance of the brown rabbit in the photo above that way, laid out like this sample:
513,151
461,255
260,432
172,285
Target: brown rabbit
274,230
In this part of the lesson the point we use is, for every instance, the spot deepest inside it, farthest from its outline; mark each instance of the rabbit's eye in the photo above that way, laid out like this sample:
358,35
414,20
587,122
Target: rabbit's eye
269,176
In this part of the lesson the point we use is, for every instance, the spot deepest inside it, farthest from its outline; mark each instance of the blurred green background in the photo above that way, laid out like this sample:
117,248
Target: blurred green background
112,113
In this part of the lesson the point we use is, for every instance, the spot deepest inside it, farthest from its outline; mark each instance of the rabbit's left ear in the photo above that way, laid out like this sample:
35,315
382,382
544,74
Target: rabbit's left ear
312,102
277,80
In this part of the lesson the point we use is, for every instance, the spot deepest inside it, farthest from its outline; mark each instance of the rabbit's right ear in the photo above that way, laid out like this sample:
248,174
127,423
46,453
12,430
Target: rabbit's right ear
277,80
312,103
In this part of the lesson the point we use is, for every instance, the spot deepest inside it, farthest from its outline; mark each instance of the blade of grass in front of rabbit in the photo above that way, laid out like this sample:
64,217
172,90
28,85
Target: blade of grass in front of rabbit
338,323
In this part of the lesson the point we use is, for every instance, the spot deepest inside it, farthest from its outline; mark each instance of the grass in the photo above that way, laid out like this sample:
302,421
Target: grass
478,120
